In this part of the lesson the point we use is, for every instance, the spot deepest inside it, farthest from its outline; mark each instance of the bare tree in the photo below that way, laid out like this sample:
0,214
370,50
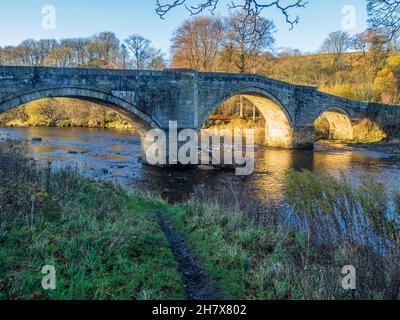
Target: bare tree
103,50
337,43
374,46
157,60
139,47
71,52
248,45
44,49
252,7
244,46
29,52
384,14
61,56
143,54
124,56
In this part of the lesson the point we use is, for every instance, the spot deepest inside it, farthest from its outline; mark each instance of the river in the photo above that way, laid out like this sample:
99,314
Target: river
114,155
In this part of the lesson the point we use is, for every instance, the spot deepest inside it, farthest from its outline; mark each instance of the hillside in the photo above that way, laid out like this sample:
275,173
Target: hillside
368,77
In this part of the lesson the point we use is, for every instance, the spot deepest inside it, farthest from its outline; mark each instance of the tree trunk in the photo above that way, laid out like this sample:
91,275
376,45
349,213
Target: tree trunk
241,107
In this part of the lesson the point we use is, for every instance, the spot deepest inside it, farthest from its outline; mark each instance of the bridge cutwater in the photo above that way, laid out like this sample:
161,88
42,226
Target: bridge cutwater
153,98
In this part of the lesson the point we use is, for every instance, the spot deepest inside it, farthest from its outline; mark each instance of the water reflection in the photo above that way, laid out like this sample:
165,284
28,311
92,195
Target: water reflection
114,155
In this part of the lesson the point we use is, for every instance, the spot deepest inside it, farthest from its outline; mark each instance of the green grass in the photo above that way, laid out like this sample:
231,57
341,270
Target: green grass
107,245
247,261
274,260
103,242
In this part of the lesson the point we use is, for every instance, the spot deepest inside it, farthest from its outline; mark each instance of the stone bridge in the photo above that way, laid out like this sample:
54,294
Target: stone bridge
153,98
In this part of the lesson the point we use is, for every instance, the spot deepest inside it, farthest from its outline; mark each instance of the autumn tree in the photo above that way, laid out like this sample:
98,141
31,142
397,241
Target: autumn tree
76,50
70,53
103,50
386,86
60,57
393,63
196,43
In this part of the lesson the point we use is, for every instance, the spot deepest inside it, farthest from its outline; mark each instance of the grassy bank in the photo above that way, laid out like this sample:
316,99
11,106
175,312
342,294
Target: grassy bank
335,225
103,242
106,243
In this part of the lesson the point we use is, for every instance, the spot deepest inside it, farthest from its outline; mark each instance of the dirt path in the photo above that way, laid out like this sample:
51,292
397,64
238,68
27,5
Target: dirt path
197,285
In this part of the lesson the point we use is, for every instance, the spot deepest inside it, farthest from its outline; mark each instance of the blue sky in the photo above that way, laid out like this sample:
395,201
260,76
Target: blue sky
21,19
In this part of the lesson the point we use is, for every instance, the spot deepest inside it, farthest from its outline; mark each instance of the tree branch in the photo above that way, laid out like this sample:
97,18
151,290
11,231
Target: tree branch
384,14
252,7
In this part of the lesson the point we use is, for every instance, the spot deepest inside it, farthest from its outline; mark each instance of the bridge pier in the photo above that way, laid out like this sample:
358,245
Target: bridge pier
303,138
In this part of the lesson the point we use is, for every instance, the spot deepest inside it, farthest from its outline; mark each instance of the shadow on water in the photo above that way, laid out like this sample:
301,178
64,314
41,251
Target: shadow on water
114,155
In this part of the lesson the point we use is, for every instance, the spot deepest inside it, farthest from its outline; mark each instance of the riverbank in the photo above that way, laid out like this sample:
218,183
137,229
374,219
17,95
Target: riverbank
109,243
65,113
391,147
113,125
272,259
388,147
103,242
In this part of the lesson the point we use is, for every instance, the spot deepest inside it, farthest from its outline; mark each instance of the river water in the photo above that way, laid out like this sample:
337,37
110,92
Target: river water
115,155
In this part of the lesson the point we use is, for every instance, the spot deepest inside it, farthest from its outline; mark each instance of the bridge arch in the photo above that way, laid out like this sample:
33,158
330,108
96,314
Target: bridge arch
334,124
279,124
142,121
